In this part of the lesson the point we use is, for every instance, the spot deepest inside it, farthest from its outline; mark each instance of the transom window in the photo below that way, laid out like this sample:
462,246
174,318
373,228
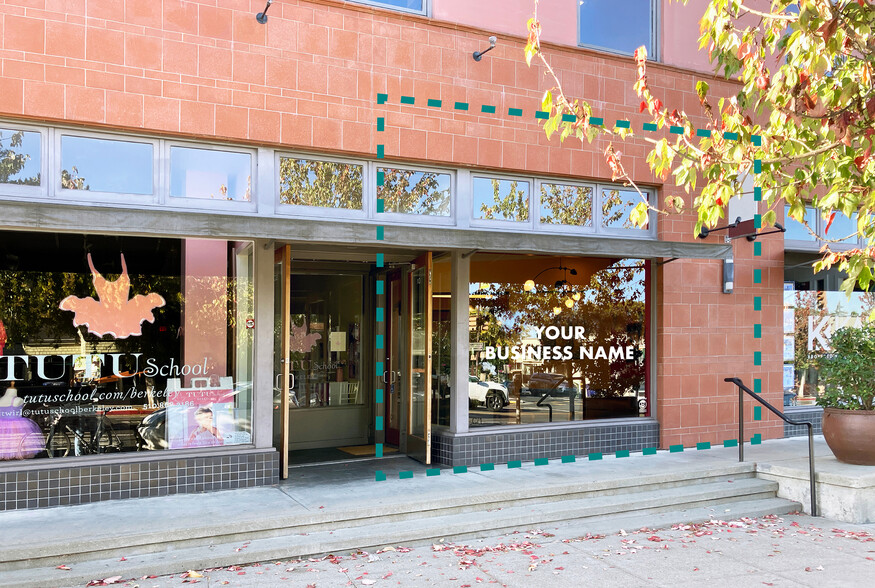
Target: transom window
210,173
324,184
417,6
20,157
106,165
564,204
501,199
411,191
620,26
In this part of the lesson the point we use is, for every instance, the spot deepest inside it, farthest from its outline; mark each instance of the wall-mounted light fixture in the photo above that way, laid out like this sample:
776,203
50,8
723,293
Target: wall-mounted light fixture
262,16
706,231
478,55
779,228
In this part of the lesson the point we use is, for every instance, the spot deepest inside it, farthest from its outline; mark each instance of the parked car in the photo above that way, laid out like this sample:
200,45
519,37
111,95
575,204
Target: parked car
492,394
552,384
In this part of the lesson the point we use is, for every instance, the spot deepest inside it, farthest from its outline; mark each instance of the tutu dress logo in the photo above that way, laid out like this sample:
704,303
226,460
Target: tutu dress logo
114,312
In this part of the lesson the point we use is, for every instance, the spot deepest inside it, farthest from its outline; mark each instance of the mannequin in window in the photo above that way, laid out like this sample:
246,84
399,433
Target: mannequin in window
20,437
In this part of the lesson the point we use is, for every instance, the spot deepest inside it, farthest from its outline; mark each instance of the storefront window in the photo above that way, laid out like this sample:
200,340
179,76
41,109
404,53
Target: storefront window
796,231
102,165
810,318
440,341
617,204
563,204
122,344
414,192
326,341
555,339
210,173
505,200
19,157
326,184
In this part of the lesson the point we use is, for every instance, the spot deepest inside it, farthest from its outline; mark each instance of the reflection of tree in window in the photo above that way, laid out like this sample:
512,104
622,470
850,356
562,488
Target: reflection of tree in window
415,192
325,184
566,205
12,160
513,206
614,208
70,180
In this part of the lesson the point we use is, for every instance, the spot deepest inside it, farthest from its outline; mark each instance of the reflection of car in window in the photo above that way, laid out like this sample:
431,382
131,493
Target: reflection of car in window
492,394
547,383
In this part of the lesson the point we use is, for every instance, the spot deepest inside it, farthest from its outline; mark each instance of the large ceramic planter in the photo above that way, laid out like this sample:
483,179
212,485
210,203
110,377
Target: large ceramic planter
850,435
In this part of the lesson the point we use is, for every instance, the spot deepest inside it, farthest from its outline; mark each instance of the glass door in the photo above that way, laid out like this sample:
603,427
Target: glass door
419,364
392,373
282,367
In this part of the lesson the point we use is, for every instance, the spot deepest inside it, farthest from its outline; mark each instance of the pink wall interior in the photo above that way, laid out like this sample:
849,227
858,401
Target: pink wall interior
205,269
558,17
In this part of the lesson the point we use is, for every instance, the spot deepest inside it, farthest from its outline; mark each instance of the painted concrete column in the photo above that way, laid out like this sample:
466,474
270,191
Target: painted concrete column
461,269
263,381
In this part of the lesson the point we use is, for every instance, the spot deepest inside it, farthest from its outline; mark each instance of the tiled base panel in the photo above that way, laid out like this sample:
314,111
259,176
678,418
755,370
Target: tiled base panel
814,415
136,479
473,449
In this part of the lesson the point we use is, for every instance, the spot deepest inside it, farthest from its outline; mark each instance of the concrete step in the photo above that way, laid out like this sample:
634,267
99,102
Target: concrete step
172,555
453,528
160,532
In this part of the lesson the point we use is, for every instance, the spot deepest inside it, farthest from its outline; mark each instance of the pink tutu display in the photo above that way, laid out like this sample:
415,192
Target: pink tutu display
20,437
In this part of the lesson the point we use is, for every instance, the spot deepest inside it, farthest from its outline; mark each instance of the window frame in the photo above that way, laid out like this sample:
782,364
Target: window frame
123,197
426,7
45,137
481,223
560,228
208,203
653,50
816,243
410,218
303,210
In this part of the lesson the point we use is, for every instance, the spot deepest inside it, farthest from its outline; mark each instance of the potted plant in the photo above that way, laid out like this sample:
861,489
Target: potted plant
848,398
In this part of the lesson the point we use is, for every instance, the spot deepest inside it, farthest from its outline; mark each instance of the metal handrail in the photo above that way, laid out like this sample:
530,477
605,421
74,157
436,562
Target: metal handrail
741,390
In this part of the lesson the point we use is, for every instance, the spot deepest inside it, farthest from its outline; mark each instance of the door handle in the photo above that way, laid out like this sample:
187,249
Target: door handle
292,383
394,376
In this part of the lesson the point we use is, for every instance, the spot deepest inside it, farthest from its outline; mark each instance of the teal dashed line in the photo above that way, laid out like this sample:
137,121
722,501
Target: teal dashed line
756,439
380,316
624,124
381,178
381,204
729,136
730,443
676,449
379,396
704,445
379,423
568,459
461,106
432,472
757,166
757,331
487,467
380,283
757,276
378,450
594,456
596,121
460,469
381,233
757,303
382,98
381,149
542,461
703,133
569,118
380,476
757,413
514,464
622,453
434,103
381,124
676,130
381,261
380,367
756,140
514,111
649,451
542,114
758,358
405,475
407,100
649,126
487,109
757,248
379,341
758,386
757,194
757,221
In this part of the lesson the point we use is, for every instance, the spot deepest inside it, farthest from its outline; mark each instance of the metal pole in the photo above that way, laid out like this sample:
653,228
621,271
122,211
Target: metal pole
740,424
811,470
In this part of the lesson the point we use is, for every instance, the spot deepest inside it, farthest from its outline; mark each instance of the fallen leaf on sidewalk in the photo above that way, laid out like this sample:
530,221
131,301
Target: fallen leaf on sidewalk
63,567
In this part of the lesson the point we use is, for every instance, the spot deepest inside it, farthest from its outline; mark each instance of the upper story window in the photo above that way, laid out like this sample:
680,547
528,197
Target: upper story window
416,6
323,184
796,231
106,165
210,173
564,204
620,26
411,191
19,157
501,200
617,204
